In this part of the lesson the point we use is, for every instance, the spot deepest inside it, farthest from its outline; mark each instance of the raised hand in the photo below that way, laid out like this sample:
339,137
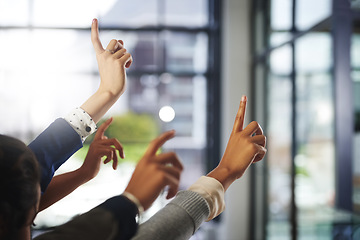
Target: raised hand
245,146
63,184
112,62
154,172
100,147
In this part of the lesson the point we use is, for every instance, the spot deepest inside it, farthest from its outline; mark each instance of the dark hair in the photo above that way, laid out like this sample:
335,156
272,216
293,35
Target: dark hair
19,181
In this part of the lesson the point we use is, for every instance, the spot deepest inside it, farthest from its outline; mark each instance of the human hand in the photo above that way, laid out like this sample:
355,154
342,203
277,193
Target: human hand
112,62
245,146
100,147
154,172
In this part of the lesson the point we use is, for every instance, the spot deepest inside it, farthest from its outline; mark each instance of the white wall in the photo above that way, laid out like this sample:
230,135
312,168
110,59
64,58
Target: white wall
235,83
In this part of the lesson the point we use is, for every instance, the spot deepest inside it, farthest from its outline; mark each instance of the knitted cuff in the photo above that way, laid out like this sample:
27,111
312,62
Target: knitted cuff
213,192
194,204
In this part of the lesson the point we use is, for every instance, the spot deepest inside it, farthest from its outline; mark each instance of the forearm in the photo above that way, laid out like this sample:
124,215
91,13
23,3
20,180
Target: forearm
99,103
61,186
223,176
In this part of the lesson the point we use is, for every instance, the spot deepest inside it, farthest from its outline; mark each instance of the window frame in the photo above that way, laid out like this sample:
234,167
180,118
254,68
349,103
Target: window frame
339,24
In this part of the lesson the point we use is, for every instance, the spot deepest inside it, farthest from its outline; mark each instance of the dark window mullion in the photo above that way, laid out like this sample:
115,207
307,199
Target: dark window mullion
344,119
213,86
293,206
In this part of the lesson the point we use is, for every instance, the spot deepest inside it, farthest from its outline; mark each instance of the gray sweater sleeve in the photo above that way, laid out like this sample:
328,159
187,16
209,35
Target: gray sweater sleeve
178,220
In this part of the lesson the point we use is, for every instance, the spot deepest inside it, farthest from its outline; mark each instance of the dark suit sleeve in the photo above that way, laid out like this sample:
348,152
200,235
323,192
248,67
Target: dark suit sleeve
53,147
113,220
124,211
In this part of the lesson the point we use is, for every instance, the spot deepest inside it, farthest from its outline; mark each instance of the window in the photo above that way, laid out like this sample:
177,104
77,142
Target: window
355,74
279,136
48,67
303,93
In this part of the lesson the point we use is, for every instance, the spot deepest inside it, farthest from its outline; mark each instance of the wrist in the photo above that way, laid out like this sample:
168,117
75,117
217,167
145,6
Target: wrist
99,103
223,175
83,174
111,91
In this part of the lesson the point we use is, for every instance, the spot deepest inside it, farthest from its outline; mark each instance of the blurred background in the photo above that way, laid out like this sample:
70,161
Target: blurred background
298,61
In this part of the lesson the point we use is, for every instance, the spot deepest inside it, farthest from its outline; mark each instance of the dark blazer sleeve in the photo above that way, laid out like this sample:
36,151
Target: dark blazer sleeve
53,147
112,220
124,211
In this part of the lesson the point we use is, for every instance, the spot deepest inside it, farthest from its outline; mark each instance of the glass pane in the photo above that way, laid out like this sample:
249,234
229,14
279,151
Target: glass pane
314,129
136,13
279,135
314,53
309,12
112,13
47,50
258,170
355,50
24,93
186,97
187,13
65,13
186,52
14,12
49,64
278,38
355,63
280,61
356,144
281,15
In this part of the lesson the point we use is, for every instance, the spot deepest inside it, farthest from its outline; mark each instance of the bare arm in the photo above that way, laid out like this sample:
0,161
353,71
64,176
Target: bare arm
59,187
64,184
116,217
112,63
244,147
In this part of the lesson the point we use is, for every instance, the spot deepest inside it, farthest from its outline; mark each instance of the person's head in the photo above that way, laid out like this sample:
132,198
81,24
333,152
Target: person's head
19,186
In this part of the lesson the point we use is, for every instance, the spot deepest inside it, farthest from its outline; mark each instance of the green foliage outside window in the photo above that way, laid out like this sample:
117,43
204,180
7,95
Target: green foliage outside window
134,131
133,128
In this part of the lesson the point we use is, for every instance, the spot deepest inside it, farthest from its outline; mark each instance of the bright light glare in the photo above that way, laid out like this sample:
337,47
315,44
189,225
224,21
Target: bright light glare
324,113
167,114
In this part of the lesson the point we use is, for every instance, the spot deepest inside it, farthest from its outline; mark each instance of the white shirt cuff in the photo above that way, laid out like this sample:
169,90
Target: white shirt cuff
213,192
81,122
136,201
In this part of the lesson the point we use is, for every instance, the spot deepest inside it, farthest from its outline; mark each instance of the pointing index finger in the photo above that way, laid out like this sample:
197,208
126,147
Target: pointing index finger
240,116
95,37
159,141
101,130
